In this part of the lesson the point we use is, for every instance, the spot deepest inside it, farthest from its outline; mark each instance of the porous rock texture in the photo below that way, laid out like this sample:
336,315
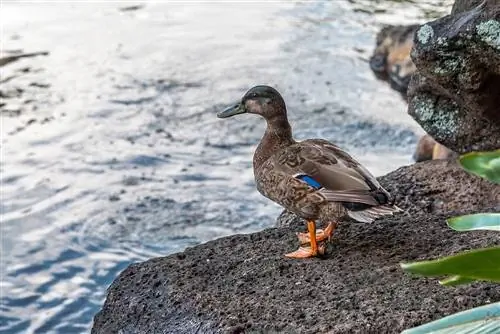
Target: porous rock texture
244,284
455,93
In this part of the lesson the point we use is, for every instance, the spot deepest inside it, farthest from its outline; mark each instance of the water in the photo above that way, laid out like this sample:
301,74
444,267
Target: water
112,153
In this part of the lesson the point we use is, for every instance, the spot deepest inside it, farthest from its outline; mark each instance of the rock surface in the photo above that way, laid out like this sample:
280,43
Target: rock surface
391,62
242,283
391,59
455,93
428,149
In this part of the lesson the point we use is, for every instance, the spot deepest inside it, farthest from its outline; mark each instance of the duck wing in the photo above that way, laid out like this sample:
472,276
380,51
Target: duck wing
338,176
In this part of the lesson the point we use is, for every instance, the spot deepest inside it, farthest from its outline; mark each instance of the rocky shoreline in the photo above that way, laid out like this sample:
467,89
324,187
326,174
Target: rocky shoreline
455,93
243,283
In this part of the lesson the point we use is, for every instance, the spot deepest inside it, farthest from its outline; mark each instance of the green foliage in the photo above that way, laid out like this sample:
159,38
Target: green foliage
456,280
483,319
483,164
481,264
478,221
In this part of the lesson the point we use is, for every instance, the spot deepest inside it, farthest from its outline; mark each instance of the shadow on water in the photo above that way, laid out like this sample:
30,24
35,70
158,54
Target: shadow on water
111,151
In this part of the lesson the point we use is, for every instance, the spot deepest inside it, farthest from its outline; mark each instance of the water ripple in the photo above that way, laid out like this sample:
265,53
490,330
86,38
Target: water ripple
122,157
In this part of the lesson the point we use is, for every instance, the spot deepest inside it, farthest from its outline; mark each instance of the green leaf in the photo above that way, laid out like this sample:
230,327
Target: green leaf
480,264
456,280
478,221
483,164
482,319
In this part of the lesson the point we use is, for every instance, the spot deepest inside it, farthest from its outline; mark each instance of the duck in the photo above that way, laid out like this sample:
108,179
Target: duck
313,178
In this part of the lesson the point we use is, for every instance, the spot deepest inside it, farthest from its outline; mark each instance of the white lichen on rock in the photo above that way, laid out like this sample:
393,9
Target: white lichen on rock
447,67
442,41
489,32
441,122
440,70
424,107
425,34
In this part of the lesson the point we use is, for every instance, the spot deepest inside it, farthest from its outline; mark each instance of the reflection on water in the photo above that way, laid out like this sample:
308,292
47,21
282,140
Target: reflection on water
121,158
400,11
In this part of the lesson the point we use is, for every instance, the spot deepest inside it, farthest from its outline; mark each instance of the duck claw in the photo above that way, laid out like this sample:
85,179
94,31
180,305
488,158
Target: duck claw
305,252
321,235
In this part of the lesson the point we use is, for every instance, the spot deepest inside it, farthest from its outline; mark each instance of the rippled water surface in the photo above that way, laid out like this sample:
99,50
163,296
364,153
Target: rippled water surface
111,151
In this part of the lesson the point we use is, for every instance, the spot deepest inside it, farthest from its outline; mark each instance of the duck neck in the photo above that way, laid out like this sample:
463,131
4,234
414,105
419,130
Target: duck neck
278,135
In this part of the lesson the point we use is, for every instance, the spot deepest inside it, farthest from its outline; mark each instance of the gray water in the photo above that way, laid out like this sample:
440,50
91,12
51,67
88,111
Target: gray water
111,151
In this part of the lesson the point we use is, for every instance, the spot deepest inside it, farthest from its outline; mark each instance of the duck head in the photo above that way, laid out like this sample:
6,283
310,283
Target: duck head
260,100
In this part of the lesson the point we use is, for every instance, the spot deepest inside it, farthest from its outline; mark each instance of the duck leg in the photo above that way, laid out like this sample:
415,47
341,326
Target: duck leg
304,252
321,235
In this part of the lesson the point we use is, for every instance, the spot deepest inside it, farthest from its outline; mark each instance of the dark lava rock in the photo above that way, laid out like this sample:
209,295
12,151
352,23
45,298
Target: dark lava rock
244,284
455,93
391,59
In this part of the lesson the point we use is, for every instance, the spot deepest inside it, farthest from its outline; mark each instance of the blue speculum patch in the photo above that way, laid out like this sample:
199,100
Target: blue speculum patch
310,181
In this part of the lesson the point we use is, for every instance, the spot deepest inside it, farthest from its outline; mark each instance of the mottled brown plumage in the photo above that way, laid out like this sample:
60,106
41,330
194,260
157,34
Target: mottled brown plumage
313,178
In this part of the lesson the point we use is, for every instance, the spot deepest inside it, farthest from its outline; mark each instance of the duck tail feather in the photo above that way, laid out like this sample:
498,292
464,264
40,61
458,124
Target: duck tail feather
350,196
370,214
360,216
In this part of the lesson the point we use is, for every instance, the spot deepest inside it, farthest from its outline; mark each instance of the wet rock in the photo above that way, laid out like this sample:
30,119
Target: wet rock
242,283
424,148
461,6
455,93
391,59
391,62
428,149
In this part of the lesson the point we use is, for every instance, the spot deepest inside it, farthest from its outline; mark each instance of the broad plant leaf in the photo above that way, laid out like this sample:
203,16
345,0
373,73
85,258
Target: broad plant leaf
479,320
480,264
483,164
478,221
456,280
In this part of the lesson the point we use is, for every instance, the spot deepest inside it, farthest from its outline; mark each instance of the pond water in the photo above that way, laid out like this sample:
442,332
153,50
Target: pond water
111,151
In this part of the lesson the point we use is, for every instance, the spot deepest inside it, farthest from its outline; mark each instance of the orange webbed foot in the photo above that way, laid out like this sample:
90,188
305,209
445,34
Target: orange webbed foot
321,235
314,250
305,252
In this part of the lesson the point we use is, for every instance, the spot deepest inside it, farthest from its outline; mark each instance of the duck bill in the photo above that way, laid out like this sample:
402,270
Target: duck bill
231,111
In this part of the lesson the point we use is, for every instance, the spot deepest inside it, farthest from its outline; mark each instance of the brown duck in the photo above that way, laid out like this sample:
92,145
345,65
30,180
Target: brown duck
312,178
